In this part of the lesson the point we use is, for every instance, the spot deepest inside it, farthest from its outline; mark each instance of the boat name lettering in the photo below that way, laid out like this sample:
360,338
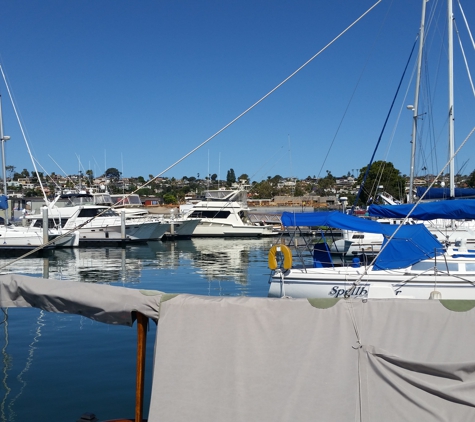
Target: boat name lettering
336,292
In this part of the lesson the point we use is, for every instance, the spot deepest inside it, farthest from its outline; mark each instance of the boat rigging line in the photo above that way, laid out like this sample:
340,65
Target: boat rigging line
465,57
344,114
22,130
368,167
47,174
194,149
265,96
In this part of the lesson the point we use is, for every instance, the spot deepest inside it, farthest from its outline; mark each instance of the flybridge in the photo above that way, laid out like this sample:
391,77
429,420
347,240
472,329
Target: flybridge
226,195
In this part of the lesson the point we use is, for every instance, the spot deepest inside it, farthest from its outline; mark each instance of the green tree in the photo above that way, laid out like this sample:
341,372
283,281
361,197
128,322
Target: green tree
299,191
10,169
25,173
471,180
112,173
169,198
264,190
325,184
381,173
230,177
145,192
90,174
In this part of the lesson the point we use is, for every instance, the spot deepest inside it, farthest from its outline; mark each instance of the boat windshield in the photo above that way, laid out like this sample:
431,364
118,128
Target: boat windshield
126,200
102,199
74,200
93,212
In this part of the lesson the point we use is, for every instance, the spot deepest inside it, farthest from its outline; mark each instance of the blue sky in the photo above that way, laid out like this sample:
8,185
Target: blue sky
136,85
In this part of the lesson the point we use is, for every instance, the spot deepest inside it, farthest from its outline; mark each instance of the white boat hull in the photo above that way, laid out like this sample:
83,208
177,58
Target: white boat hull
143,231
335,283
182,228
205,229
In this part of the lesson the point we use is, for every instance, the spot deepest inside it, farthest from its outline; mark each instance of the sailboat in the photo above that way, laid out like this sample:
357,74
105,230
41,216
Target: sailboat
429,271
412,263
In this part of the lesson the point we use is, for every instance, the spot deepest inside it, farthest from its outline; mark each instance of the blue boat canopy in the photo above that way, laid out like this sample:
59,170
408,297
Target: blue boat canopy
3,202
459,209
411,244
444,193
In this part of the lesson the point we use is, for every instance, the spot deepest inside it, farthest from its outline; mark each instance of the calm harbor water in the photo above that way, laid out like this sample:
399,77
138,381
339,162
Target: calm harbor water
56,367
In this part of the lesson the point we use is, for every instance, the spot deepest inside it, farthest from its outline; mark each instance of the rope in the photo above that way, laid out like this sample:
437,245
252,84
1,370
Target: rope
200,145
22,131
265,96
368,167
465,60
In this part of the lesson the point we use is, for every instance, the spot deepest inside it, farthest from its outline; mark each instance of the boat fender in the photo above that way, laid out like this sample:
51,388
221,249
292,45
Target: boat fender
285,251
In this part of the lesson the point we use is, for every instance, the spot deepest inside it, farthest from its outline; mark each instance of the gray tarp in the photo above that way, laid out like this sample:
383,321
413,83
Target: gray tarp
258,359
250,359
101,302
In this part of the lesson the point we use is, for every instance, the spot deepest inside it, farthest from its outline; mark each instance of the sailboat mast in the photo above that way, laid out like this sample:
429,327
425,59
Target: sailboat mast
451,97
4,170
415,107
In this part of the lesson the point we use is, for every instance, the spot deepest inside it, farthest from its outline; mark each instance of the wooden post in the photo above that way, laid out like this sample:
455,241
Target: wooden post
142,324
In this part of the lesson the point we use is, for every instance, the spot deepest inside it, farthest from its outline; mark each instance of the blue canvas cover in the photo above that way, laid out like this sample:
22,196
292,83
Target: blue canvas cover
3,202
411,244
333,219
444,193
459,209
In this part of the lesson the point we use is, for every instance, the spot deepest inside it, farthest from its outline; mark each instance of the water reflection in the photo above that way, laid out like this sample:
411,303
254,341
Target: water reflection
39,348
223,259
211,259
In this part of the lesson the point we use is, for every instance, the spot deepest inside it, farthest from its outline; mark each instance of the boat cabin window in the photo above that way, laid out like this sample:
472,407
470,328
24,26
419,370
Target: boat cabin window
469,267
92,212
52,223
210,214
426,265
358,236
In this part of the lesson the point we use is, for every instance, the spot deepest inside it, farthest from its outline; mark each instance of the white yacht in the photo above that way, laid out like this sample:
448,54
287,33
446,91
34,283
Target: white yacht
28,238
178,227
98,223
224,213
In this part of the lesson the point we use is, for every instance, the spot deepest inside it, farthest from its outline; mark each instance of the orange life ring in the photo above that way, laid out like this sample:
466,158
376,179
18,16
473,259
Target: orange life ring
285,251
